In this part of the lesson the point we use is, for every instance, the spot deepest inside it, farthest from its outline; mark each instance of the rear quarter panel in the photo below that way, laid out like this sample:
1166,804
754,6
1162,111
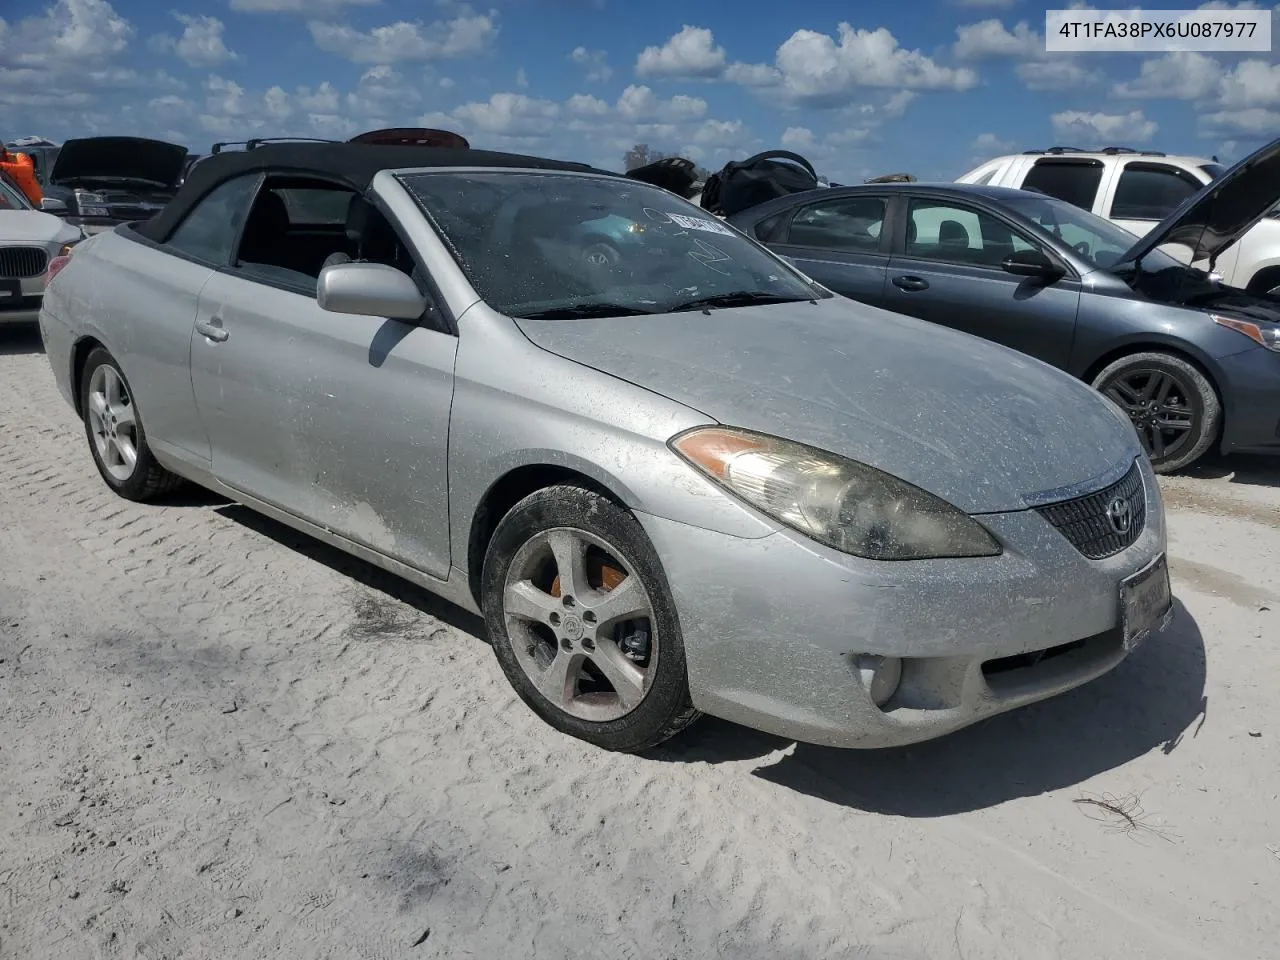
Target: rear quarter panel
139,302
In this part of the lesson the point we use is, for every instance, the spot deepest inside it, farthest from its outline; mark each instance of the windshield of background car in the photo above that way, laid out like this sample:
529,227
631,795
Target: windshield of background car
11,199
1098,241
564,245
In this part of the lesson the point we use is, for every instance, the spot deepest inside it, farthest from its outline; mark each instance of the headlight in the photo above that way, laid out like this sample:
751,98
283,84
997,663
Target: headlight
87,196
846,505
1268,335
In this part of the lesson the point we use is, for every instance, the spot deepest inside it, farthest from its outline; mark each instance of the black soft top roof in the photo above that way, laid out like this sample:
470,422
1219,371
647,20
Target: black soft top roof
354,164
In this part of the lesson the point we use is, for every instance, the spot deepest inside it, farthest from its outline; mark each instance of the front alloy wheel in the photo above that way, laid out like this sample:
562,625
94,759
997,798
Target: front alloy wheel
582,621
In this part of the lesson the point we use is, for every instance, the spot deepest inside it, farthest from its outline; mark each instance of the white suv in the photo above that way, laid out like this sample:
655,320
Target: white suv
1136,190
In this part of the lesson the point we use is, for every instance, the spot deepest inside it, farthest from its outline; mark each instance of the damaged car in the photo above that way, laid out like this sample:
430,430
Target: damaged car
29,241
100,182
686,480
1193,362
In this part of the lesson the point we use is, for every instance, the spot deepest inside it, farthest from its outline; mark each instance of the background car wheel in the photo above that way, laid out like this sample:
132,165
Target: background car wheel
114,430
1172,404
582,622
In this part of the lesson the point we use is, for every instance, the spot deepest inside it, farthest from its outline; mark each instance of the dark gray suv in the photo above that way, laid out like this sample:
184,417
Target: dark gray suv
1191,361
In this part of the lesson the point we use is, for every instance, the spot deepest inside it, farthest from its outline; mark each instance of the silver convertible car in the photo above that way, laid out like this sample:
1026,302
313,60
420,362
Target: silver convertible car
678,479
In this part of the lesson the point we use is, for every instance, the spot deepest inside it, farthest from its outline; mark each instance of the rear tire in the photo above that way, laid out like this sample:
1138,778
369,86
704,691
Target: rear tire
113,427
567,648
1171,404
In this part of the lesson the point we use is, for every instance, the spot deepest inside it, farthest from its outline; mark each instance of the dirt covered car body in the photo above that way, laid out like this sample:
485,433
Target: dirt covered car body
685,480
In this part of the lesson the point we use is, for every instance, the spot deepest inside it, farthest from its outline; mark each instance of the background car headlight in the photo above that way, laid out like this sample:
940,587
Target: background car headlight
849,506
88,196
1267,334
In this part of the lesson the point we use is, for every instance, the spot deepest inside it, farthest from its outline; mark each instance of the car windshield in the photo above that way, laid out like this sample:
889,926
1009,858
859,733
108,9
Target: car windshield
11,199
565,246
1098,241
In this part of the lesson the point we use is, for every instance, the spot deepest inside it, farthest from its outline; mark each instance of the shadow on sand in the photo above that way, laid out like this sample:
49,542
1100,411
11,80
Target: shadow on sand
1151,701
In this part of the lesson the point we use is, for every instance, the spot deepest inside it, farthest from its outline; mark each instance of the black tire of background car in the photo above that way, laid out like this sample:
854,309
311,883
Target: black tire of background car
666,709
1200,394
741,184
148,480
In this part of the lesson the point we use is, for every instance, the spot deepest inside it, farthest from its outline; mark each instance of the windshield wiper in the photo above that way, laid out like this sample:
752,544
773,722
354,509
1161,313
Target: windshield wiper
740,298
585,311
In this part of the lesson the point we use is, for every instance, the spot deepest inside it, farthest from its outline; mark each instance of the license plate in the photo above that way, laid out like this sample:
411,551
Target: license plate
1145,599
10,289
94,211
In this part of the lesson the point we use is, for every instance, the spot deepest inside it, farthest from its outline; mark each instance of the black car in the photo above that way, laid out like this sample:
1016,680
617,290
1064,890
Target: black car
99,182
1193,362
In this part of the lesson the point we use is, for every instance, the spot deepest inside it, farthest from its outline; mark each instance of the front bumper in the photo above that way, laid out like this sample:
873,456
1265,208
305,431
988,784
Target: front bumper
772,627
1250,385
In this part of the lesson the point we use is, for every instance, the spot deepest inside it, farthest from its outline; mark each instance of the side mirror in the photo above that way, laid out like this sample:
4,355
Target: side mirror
1031,263
53,205
369,290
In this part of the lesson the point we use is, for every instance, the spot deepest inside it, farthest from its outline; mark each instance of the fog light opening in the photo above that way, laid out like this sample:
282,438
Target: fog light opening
880,675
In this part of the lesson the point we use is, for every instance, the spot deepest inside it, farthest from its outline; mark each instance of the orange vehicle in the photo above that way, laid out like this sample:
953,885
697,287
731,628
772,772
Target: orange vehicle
23,172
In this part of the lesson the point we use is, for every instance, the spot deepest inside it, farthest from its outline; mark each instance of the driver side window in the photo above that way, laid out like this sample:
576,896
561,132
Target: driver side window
950,233
210,230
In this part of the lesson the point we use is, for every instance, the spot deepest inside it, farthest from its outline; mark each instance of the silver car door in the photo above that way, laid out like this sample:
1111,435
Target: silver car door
341,420
156,288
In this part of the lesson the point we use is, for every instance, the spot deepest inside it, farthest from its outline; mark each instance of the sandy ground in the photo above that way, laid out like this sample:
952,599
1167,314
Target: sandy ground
220,740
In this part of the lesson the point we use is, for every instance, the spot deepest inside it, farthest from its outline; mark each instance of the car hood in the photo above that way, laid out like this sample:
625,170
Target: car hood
980,425
93,157
1223,210
33,226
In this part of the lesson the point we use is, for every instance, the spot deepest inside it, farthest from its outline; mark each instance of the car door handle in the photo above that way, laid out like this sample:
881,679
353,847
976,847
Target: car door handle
911,283
213,329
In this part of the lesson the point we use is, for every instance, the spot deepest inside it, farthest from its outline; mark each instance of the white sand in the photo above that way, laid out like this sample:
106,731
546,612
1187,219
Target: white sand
221,740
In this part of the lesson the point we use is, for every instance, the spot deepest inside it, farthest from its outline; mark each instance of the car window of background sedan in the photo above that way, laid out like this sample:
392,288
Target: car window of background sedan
209,231
1095,239
851,224
955,234
532,243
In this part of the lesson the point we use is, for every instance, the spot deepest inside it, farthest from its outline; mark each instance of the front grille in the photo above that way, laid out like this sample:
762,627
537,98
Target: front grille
1087,521
23,261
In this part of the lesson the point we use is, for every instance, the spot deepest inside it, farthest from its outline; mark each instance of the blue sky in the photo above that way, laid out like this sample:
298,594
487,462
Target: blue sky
930,87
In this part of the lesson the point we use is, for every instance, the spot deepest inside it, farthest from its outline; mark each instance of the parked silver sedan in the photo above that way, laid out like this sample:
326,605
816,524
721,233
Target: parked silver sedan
673,474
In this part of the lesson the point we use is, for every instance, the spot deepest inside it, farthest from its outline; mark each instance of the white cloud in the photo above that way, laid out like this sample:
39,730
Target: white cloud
640,104
297,6
403,40
1061,73
522,80
988,145
692,52
1251,83
1181,75
797,138
1252,121
594,62
201,43
515,121
990,38
70,32
1104,128
817,70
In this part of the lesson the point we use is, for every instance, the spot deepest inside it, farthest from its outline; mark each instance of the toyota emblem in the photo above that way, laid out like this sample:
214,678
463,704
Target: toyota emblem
1120,515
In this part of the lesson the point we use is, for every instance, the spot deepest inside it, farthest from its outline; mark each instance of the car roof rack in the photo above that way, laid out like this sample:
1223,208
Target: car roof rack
1116,151
1106,151
254,142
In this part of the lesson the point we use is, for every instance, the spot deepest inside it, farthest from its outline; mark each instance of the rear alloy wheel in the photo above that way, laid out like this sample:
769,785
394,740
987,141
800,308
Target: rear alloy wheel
114,429
581,621
1171,403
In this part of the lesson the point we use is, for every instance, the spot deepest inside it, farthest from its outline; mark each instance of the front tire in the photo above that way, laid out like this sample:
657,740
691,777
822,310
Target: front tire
582,621
1171,404
114,430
